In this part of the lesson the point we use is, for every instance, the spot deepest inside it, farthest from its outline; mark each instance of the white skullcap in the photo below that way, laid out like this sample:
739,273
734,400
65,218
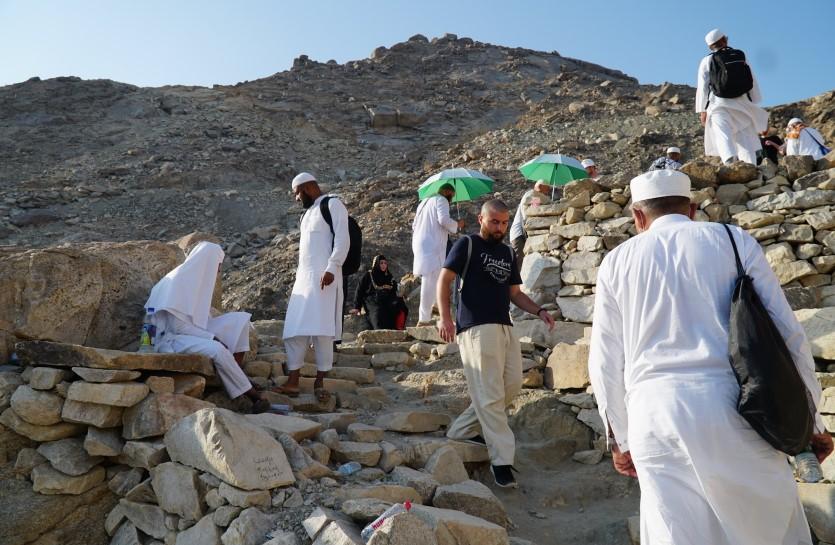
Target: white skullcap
714,36
793,121
587,163
303,178
673,149
660,183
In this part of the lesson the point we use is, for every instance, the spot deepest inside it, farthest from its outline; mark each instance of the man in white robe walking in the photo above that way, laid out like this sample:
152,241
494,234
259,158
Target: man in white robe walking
180,309
732,125
430,232
664,386
314,311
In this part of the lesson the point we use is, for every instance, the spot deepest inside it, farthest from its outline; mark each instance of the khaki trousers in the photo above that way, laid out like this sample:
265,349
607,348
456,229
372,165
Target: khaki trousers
493,366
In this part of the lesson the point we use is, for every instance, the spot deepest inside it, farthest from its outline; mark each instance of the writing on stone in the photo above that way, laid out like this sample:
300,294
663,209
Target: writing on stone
267,468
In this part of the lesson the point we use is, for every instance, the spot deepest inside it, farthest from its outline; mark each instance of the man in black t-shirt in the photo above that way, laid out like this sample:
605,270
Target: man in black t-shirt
489,349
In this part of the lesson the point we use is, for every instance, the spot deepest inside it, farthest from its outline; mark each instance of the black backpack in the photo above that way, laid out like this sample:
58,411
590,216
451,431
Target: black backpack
730,75
353,260
772,396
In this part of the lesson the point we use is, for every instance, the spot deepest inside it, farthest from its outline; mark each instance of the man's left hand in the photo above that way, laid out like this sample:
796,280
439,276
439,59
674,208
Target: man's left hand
327,280
546,317
623,463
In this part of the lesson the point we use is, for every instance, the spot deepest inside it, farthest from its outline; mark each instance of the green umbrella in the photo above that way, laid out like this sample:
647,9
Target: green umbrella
554,169
468,184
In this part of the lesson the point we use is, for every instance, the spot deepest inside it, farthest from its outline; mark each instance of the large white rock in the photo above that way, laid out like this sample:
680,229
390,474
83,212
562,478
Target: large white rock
155,414
457,528
229,447
249,528
177,490
144,454
819,325
819,503
93,414
403,529
577,309
46,378
37,407
473,498
568,367
61,430
541,272
446,466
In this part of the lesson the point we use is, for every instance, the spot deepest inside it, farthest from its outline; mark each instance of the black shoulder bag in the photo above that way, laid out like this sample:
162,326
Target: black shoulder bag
772,397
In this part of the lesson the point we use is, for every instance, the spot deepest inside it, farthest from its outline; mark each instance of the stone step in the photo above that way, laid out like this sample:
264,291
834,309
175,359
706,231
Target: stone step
355,374
73,355
352,360
331,384
376,348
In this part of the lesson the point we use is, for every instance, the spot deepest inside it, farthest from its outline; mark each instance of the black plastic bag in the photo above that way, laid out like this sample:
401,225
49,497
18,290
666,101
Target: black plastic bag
772,397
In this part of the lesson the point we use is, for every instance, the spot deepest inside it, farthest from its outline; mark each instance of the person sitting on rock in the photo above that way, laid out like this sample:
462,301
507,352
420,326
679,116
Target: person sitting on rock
180,306
591,169
671,161
377,294
803,140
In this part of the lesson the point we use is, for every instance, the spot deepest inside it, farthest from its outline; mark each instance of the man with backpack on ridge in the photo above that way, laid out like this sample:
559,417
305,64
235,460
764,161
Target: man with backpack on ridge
727,95
329,247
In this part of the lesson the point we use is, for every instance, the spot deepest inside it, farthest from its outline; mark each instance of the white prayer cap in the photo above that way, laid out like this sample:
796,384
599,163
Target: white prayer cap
673,149
794,121
587,163
303,178
714,36
660,183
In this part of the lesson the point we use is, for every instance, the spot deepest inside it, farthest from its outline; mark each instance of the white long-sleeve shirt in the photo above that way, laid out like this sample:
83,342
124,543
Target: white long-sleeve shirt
662,309
430,231
704,97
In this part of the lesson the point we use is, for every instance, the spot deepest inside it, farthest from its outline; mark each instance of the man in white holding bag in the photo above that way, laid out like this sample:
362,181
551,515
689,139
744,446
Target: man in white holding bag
659,366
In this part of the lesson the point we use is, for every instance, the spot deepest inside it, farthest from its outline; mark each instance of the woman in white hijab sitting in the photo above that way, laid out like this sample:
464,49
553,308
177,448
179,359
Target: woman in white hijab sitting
802,140
181,303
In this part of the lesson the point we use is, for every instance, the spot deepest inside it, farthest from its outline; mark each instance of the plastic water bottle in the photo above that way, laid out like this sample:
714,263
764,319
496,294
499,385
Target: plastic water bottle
279,408
149,333
349,469
807,467
395,509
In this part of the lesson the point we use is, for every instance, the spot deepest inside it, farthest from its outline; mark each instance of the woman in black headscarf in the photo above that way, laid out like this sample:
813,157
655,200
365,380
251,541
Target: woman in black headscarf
377,294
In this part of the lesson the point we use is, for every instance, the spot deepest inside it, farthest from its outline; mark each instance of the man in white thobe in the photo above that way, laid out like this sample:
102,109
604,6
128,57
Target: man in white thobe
518,236
591,169
732,125
430,232
314,311
179,306
803,140
660,370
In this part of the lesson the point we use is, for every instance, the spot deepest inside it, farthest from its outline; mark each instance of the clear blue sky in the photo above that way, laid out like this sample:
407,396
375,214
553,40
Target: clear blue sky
201,42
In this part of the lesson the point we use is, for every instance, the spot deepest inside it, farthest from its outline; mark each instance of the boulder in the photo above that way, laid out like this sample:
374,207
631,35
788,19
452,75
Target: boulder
818,501
231,448
126,534
752,219
821,220
732,193
456,528
161,385
819,325
90,294
225,514
144,454
46,378
412,421
245,498
568,367
120,394
446,466
205,532
37,407
364,510
363,433
473,498
319,519
425,333
403,529
68,456
276,424
702,174
798,166
250,528
46,480
125,481
93,414
424,483
148,518
368,454
392,493
304,466
72,355
157,413
738,172
99,442
283,538
573,231
39,433
178,490
808,198
382,336
382,360
577,309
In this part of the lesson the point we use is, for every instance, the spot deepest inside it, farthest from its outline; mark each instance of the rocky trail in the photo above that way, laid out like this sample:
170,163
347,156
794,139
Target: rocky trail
106,185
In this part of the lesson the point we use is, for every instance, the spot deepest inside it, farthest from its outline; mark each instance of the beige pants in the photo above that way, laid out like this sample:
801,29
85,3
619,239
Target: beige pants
493,367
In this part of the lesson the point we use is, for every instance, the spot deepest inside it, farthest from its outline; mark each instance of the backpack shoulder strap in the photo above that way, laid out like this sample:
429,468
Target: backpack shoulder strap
812,136
740,270
326,212
466,263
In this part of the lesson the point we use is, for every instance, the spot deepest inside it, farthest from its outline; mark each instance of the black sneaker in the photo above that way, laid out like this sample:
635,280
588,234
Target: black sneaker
504,476
476,440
